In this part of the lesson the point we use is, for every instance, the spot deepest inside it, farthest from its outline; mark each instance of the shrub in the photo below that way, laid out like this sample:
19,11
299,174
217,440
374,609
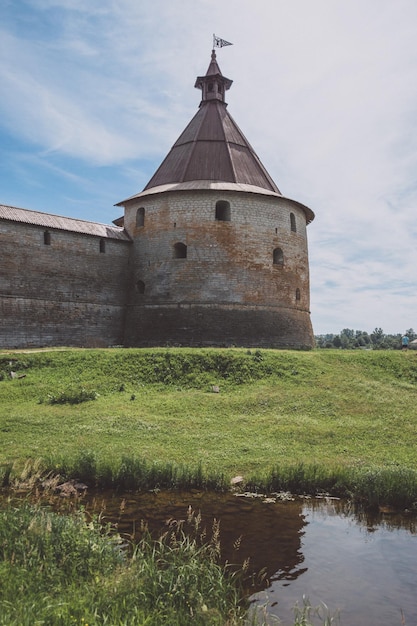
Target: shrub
72,396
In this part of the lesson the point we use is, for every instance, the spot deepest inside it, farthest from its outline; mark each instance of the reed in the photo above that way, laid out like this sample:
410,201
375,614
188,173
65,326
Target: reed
370,487
308,615
135,473
61,570
394,486
303,478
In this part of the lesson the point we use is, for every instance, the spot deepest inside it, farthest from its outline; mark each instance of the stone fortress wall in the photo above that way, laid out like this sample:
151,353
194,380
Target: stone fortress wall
60,288
201,268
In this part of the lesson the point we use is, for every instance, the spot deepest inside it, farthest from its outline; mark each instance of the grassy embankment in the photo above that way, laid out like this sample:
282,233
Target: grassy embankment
340,421
332,420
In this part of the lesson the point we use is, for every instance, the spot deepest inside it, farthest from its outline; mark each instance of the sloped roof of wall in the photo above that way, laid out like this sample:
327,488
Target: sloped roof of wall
48,220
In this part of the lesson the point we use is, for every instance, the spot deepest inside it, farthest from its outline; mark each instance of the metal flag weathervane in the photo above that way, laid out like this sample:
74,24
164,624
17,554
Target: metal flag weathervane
220,43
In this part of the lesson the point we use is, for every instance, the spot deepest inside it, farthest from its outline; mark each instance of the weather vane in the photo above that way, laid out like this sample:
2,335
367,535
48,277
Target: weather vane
220,43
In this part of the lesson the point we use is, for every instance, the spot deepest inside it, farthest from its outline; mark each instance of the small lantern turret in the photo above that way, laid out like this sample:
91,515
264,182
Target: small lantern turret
213,84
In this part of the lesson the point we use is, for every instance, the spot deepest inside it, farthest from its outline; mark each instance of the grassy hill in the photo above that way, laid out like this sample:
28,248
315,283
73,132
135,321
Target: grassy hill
281,419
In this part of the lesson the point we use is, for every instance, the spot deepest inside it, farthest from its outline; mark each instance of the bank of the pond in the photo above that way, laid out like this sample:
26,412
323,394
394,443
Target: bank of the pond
369,487
336,421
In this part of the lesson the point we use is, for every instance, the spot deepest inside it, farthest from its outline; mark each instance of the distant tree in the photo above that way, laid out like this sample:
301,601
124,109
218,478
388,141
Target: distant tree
377,338
362,339
324,341
337,342
349,339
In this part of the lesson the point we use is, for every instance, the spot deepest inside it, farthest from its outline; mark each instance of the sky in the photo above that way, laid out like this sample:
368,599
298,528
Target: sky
95,92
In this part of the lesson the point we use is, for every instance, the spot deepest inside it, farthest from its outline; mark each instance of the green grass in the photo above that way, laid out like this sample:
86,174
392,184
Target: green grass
338,419
59,570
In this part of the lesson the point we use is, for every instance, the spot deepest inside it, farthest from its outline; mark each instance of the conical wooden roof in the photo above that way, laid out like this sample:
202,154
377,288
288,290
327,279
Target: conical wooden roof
212,148
212,152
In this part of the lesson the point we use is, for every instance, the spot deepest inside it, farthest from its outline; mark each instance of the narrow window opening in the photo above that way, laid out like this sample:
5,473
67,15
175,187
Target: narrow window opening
140,286
210,87
297,295
47,238
293,224
180,251
278,257
175,224
102,246
140,217
276,231
223,211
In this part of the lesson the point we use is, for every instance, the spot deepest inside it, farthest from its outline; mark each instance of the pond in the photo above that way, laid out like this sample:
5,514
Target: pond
362,566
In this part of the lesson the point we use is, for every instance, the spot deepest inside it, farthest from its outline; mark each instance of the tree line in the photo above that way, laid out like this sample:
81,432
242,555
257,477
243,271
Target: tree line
350,339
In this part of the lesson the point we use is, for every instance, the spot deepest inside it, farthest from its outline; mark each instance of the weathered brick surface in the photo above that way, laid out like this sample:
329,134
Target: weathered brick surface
65,293
227,290
198,325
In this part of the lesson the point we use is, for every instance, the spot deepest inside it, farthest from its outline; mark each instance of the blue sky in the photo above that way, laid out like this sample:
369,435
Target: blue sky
95,92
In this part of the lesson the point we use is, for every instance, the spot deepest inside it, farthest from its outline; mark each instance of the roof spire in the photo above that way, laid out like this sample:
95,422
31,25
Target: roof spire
213,84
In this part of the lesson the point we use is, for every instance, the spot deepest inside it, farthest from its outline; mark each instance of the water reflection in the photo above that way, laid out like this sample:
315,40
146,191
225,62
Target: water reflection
267,534
370,519
361,564
355,561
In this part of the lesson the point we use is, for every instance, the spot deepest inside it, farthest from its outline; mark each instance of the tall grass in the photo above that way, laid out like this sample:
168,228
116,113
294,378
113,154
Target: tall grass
371,487
307,614
368,487
135,473
59,570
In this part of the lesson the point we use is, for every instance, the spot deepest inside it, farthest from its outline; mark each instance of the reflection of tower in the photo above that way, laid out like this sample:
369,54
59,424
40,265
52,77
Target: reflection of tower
219,254
269,533
271,537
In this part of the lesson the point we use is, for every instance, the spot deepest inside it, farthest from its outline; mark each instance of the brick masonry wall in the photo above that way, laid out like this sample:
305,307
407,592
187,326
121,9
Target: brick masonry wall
228,290
194,325
64,293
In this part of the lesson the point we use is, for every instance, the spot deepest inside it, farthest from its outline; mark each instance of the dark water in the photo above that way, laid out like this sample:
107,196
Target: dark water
363,566
360,565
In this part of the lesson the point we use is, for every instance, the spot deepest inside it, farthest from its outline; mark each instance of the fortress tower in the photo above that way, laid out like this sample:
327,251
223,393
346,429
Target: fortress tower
210,253
219,255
